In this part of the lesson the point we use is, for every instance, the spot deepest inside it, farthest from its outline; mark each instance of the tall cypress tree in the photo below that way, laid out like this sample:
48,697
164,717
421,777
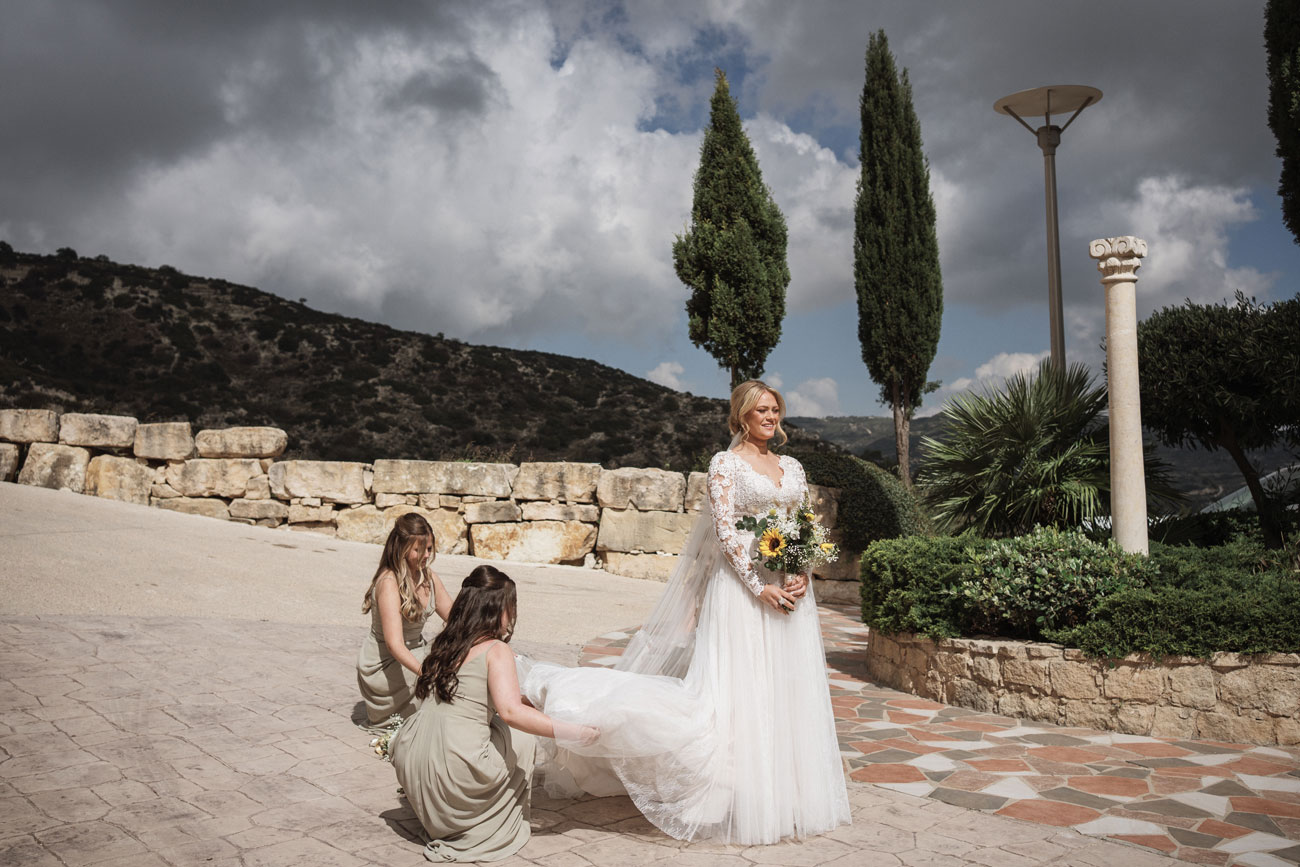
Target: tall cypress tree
895,247
1282,42
733,255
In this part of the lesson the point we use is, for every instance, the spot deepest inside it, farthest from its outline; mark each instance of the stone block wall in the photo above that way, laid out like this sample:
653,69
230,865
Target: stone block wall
628,521
1228,697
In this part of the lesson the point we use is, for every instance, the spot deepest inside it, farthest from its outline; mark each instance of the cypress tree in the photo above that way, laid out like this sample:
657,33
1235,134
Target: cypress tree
895,247
1282,42
733,255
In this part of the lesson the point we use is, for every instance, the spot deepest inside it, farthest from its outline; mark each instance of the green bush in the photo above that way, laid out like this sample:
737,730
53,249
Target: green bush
1060,586
1044,580
873,503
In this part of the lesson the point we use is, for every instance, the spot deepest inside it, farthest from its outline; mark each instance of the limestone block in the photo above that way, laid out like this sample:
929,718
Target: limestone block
837,592
1273,688
259,488
473,498
299,514
826,505
29,425
1043,651
970,694
952,665
209,507
1086,714
697,491
647,490
1024,674
653,567
55,466
450,533
444,477
259,509
384,501
1226,725
328,481
163,491
1134,683
1073,679
533,542
363,524
8,461
632,532
164,441
1135,719
569,482
307,501
325,529
1192,686
100,431
444,501
1286,731
1173,722
241,442
846,567
208,477
986,670
115,478
1225,661
495,512
559,512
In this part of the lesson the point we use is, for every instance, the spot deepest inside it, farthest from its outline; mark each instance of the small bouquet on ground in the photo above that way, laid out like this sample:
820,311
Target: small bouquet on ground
795,545
380,744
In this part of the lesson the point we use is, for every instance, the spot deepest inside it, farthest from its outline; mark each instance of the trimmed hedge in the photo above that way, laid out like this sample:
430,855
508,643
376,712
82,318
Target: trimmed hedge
874,504
1062,587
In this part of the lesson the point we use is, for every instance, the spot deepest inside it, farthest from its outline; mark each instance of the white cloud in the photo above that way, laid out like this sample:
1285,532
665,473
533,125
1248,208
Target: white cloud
989,375
774,379
668,373
814,398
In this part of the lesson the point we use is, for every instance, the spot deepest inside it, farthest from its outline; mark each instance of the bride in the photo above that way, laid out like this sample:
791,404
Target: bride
717,719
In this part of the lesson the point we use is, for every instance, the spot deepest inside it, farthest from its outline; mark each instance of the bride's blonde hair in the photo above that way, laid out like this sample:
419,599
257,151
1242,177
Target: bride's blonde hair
744,398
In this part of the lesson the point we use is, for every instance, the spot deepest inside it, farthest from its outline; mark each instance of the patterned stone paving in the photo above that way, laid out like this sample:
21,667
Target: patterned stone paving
1199,801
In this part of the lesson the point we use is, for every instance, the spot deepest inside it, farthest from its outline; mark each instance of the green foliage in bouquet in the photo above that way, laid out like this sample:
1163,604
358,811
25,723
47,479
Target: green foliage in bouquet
792,544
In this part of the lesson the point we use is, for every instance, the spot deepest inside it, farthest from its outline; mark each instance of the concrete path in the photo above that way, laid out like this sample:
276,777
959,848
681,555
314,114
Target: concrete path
176,690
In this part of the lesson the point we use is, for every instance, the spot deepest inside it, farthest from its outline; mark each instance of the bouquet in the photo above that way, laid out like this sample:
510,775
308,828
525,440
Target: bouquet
795,544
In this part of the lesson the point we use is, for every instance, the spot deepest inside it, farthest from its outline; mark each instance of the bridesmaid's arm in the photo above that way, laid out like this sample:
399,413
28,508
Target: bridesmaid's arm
390,620
503,686
441,598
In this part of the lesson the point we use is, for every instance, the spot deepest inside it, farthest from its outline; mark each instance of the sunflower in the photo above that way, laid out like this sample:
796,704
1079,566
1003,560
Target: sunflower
772,544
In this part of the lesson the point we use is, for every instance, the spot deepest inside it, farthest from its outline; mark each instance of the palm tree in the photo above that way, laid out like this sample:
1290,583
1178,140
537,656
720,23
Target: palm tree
1036,452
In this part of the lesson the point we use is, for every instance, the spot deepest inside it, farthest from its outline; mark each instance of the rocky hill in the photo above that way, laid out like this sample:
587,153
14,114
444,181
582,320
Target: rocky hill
91,335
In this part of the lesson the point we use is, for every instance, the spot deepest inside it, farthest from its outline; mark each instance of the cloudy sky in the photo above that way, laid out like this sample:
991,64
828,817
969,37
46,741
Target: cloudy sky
513,173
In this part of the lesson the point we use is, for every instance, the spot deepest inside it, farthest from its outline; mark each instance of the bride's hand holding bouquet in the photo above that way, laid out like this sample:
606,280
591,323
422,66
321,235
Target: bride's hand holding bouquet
794,544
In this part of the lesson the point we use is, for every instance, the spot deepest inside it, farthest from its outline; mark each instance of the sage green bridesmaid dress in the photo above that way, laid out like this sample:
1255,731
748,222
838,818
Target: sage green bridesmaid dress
387,686
466,774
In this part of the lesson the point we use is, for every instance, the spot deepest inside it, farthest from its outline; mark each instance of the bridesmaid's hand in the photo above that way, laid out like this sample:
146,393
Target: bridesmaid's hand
796,586
777,598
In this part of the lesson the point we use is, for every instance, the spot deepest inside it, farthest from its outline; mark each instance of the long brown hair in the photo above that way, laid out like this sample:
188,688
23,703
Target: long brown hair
485,595
409,528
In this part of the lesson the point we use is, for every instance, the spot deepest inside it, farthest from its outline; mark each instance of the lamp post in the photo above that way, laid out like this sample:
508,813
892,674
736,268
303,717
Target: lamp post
1058,99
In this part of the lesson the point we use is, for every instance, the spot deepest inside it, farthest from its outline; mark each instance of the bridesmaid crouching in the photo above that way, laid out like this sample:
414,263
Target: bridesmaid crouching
403,593
466,773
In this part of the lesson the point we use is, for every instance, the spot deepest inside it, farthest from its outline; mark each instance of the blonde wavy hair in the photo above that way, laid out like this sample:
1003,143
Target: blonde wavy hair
409,529
744,398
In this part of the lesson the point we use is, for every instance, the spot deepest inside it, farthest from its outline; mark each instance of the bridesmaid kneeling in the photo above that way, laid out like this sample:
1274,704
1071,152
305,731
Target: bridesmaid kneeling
401,596
466,775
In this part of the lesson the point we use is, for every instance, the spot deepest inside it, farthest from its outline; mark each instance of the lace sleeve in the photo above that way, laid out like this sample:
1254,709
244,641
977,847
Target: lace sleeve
721,492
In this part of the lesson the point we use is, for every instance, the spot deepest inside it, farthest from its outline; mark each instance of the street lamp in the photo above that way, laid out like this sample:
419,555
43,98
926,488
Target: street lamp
1059,99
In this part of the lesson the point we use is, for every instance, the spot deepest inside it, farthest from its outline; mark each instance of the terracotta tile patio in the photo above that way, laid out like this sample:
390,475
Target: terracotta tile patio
1205,802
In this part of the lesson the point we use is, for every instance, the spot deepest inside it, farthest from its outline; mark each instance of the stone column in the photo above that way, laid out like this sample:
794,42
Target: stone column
1118,260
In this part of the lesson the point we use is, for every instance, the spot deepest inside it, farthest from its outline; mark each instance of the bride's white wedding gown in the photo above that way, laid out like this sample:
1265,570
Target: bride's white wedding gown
717,720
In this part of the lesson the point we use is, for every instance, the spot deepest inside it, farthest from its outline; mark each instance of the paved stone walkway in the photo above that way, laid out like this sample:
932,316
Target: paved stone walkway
1201,801
142,742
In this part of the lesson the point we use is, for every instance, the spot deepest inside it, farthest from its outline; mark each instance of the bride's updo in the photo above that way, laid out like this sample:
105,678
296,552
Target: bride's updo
744,398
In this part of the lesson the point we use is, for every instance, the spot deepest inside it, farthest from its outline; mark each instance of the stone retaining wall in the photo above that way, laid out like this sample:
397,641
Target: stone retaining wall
629,521
1228,697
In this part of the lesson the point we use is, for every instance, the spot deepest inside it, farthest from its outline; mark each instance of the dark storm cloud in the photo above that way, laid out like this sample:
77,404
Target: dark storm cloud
461,87
98,91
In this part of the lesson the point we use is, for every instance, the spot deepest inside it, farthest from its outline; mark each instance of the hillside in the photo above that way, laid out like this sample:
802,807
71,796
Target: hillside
1203,476
91,335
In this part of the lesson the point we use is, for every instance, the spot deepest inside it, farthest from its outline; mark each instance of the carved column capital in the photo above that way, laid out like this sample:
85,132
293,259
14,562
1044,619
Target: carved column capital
1118,258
